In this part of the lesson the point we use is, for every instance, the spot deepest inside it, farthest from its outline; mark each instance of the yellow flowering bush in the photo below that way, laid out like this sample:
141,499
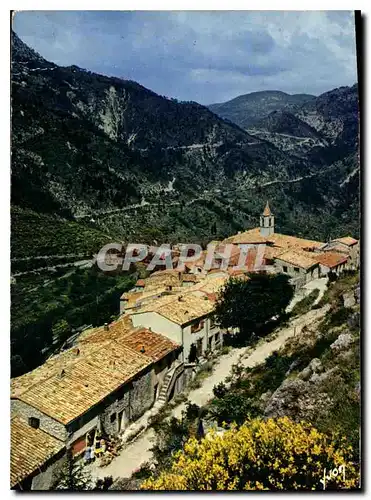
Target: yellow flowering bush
275,454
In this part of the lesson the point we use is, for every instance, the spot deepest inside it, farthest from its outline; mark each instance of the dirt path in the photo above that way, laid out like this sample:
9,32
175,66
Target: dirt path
137,452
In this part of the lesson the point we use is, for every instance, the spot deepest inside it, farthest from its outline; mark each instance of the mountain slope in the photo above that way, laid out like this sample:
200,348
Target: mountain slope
246,110
134,164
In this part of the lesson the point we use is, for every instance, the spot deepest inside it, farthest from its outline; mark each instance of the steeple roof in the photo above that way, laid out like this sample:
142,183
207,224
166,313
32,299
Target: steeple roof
267,211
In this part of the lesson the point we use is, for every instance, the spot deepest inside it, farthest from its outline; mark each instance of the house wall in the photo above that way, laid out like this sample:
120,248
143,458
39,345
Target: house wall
190,338
158,324
123,304
280,264
50,472
306,274
180,335
324,270
47,424
206,333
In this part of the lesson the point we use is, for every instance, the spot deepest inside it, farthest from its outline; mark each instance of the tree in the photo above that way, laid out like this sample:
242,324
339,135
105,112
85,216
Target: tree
72,476
276,454
61,330
249,304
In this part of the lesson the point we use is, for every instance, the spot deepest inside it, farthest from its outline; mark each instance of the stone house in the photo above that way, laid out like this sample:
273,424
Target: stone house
186,319
346,245
334,262
297,264
34,456
109,379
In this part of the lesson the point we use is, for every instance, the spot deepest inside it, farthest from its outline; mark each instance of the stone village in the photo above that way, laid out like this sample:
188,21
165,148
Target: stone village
116,373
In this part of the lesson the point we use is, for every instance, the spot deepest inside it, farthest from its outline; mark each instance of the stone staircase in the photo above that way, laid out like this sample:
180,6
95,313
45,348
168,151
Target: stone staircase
142,423
162,397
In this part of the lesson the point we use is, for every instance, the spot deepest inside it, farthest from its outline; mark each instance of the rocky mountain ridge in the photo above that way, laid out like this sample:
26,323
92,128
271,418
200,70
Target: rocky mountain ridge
118,158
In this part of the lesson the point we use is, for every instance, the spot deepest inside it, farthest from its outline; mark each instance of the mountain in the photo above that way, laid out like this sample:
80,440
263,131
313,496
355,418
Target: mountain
85,144
246,110
321,129
113,156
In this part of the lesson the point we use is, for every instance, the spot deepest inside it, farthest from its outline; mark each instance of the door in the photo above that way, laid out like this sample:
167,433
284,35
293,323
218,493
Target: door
199,347
122,421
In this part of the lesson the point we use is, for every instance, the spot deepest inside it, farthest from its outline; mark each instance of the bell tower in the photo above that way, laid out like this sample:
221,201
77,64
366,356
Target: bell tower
267,222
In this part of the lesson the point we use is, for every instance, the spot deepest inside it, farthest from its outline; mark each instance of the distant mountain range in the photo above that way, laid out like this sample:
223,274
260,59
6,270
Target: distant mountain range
249,109
113,157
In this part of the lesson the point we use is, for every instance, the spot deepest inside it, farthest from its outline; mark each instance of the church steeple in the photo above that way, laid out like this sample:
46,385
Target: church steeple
267,221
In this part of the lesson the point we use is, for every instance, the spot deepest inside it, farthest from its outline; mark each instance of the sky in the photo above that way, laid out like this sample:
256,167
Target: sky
206,57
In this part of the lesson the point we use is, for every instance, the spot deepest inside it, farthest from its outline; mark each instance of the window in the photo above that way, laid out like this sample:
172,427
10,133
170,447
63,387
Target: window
210,342
34,422
296,269
113,417
196,327
284,269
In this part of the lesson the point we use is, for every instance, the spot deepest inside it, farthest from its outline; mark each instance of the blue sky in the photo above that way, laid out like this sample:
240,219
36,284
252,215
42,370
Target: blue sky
201,56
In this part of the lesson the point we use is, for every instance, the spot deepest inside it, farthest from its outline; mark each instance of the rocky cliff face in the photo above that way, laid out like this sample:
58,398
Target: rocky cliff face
323,128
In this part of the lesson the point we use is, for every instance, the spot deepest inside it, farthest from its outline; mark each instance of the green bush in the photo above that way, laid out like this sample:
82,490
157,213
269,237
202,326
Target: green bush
304,305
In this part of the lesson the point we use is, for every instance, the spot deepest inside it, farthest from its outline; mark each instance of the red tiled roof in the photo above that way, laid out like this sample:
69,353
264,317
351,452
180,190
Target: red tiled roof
347,240
151,344
331,259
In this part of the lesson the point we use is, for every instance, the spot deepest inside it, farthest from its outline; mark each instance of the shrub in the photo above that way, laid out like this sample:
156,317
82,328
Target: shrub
304,305
276,454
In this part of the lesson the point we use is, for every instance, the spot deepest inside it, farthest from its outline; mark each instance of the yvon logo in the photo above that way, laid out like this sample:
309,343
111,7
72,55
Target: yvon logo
333,474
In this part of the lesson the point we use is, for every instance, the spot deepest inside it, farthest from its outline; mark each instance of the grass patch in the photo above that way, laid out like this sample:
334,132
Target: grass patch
304,305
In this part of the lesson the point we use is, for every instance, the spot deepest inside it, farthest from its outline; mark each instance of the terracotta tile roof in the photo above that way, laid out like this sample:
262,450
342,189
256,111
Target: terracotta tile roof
155,346
134,298
211,284
164,272
305,260
122,331
180,308
273,252
140,282
65,391
347,240
267,211
285,241
250,236
335,246
331,259
235,272
216,271
117,330
30,449
279,240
